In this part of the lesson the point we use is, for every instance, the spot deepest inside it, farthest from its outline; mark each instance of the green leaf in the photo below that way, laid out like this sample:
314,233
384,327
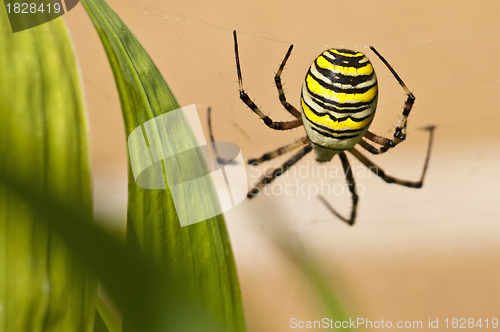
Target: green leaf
43,137
154,300
201,253
106,320
329,291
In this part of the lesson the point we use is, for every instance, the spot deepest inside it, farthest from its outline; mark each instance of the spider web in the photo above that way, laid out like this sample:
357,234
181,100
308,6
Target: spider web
449,64
446,52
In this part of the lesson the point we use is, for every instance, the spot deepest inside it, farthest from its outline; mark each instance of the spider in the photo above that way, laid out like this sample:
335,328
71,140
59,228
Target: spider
338,102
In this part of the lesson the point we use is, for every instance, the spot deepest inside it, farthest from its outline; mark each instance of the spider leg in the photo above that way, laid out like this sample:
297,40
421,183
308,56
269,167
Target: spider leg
391,179
279,151
283,125
277,80
266,179
254,161
370,148
352,188
220,160
400,131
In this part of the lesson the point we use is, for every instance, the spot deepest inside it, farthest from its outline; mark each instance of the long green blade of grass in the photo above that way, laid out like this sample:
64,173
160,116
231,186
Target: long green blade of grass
153,299
199,254
328,290
106,320
43,137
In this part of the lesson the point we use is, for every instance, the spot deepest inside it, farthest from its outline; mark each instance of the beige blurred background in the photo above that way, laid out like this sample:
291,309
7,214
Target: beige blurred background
413,254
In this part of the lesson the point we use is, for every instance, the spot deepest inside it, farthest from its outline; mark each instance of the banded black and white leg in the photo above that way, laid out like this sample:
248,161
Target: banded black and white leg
268,178
385,141
279,151
391,179
277,125
266,156
400,131
281,93
352,189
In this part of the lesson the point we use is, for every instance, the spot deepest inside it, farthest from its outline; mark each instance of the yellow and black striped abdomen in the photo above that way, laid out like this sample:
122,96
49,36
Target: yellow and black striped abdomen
339,98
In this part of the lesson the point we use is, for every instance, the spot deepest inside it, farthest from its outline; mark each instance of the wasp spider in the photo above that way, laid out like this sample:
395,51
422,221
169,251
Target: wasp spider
338,99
